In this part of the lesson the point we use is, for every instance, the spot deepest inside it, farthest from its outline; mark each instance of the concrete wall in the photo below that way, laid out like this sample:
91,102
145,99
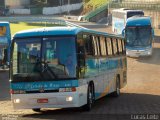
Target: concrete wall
141,1
20,11
48,10
61,9
16,3
155,16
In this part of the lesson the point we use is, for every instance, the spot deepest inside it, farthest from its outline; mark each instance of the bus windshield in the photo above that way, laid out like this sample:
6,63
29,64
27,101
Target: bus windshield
138,36
133,13
49,58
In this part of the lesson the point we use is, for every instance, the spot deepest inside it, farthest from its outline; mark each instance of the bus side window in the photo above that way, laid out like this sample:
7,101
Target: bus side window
109,46
81,56
114,44
123,46
80,44
103,46
88,45
95,45
119,46
98,46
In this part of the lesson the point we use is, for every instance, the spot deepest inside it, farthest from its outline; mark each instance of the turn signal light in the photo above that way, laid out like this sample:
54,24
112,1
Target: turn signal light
17,91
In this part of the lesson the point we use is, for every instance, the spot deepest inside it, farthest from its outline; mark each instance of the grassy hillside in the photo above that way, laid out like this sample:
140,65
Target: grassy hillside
93,4
96,3
16,27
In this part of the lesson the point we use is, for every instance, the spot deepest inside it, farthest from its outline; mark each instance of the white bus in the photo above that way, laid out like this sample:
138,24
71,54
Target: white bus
65,67
120,16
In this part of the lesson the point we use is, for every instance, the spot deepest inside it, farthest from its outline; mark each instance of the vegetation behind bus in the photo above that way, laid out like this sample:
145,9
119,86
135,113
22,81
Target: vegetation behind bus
19,26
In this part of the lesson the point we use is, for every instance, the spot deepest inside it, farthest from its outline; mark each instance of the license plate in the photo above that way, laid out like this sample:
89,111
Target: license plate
43,100
138,52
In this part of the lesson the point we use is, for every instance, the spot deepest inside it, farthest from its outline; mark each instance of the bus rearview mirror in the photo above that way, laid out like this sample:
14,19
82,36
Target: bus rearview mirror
123,32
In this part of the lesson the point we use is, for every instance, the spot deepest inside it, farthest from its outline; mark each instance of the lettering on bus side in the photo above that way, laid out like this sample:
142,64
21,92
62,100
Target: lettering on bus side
93,66
46,85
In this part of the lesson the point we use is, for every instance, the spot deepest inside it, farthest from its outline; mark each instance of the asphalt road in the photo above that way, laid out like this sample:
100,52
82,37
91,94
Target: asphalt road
141,96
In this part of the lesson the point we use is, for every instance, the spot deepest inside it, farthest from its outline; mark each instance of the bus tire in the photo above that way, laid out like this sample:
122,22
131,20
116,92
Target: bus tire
117,92
90,98
36,110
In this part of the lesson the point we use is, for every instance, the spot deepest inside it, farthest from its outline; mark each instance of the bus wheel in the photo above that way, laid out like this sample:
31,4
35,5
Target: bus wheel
117,92
90,98
37,110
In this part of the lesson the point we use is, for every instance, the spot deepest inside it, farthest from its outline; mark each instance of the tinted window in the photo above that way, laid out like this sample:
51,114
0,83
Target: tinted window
109,46
88,44
96,45
103,46
119,45
114,42
123,46
133,13
33,60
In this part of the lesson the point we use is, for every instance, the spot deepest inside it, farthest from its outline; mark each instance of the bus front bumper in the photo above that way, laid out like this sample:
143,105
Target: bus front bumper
138,53
49,100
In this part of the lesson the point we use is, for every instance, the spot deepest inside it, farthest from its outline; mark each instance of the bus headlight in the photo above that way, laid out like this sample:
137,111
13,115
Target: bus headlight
69,99
149,52
16,100
126,53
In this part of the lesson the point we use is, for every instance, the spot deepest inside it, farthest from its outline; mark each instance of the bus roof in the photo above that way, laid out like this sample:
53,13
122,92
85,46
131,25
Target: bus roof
138,21
125,10
51,31
3,23
47,31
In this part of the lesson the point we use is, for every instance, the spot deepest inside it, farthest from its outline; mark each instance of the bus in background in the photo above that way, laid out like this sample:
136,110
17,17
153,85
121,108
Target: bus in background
64,67
120,16
5,41
139,36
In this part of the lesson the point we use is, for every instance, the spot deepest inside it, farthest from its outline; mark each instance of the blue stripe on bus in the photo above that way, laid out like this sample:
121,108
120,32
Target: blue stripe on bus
94,66
47,85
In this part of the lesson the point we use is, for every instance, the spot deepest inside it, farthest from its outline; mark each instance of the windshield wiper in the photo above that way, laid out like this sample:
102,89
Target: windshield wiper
29,75
44,67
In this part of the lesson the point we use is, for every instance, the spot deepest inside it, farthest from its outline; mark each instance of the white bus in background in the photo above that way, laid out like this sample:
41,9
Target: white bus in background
120,16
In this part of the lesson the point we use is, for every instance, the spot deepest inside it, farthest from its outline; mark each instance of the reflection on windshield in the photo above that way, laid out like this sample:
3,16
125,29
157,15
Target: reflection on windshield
138,36
52,58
